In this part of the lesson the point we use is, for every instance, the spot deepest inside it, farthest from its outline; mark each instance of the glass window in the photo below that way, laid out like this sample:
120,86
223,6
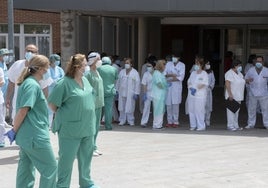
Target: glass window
234,42
3,42
4,28
36,29
43,45
258,41
30,40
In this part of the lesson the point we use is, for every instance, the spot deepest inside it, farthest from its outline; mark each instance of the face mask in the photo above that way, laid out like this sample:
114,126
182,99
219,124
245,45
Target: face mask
57,63
5,58
149,69
127,66
239,69
46,76
196,67
207,67
28,56
99,63
174,59
258,65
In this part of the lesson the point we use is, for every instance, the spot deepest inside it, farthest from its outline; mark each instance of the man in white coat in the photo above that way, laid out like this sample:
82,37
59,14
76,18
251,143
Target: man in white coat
175,72
257,79
128,87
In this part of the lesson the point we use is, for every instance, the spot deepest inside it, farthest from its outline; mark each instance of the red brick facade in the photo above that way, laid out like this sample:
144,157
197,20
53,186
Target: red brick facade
34,17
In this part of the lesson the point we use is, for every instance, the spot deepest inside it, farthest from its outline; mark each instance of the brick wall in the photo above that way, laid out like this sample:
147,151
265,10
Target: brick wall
35,17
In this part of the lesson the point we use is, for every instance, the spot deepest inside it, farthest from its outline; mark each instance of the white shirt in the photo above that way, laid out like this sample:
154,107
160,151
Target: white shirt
237,84
2,77
147,81
258,87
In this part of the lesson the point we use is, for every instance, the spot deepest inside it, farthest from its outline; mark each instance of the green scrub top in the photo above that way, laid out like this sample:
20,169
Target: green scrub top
34,128
75,116
96,82
109,76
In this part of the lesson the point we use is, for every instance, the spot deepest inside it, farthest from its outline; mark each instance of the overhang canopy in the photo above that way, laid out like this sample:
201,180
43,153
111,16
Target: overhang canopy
158,8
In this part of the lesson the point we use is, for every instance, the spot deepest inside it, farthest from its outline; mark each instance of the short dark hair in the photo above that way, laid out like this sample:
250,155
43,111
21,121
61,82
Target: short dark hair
236,62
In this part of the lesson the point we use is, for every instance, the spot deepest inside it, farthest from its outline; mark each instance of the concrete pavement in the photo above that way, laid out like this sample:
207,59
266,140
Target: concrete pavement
173,158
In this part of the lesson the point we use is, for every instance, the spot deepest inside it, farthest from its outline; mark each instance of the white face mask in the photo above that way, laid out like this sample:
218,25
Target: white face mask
196,67
207,67
5,58
57,63
46,76
127,66
28,55
150,69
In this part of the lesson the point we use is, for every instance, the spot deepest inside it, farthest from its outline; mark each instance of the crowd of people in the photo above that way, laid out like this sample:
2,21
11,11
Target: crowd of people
41,96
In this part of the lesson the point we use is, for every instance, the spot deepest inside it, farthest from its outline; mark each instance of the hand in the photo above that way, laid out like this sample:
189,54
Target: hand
11,135
193,90
135,96
144,97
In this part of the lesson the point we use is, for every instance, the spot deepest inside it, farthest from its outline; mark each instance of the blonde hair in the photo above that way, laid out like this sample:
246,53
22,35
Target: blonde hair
160,65
35,63
74,63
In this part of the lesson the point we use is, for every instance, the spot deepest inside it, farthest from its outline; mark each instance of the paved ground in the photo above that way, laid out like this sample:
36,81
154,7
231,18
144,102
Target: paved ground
173,158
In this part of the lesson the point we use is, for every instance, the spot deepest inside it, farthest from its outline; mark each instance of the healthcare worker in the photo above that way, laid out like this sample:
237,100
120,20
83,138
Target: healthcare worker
56,73
96,82
146,83
159,90
211,84
234,90
2,114
72,101
109,76
175,72
31,128
257,80
13,74
128,87
197,95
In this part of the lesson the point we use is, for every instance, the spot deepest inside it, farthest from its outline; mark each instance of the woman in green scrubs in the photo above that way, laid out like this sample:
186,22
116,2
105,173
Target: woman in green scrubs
72,101
31,128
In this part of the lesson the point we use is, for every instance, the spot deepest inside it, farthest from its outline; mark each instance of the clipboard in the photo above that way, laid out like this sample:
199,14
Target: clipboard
232,105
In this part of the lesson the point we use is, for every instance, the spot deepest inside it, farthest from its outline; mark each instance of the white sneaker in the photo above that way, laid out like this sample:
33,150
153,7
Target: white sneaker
95,154
200,129
98,152
192,128
249,127
231,129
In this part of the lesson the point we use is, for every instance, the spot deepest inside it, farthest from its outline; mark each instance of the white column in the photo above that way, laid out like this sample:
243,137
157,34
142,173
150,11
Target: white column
142,41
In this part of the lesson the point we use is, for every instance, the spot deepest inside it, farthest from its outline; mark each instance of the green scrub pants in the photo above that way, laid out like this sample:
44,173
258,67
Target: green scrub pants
69,149
42,158
98,119
108,111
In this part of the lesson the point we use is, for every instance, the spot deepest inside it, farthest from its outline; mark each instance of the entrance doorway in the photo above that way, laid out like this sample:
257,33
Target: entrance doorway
216,45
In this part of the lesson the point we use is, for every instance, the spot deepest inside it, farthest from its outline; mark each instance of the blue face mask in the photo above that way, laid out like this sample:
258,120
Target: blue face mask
46,76
127,66
57,63
28,55
5,59
239,69
258,65
196,67
150,69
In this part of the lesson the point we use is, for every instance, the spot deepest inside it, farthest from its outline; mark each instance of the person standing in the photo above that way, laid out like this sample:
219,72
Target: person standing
13,74
109,76
234,90
96,82
2,110
146,83
31,128
197,94
209,101
175,72
257,80
128,87
56,73
72,101
159,91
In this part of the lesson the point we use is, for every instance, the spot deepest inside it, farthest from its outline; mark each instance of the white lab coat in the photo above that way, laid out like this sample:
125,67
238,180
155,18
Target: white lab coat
196,103
209,101
127,86
175,87
257,94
